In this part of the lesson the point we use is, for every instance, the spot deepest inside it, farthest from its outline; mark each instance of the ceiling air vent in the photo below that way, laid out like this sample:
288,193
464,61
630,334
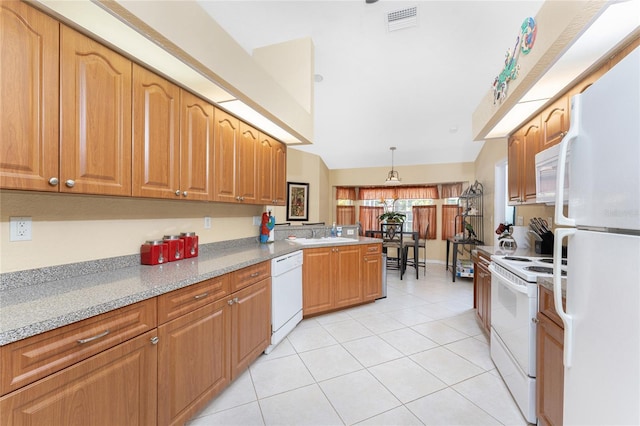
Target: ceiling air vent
403,18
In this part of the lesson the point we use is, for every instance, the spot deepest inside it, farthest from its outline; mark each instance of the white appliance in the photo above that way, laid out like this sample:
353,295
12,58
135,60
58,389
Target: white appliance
286,296
602,317
514,306
547,176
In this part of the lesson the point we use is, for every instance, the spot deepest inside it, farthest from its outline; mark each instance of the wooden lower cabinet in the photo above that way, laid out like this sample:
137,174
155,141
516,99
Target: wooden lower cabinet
250,325
115,387
193,361
549,362
482,291
336,277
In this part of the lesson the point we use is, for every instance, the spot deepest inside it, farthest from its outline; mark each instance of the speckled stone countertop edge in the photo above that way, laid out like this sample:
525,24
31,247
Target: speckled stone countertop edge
30,309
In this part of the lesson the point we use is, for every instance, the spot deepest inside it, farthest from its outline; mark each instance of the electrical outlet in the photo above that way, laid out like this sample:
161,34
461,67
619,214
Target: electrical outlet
257,221
20,228
351,231
207,222
519,221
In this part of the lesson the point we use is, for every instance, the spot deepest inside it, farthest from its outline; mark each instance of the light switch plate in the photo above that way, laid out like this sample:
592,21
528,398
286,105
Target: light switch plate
207,222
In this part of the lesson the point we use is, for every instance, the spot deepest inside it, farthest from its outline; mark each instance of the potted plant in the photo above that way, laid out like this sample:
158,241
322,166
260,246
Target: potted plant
390,217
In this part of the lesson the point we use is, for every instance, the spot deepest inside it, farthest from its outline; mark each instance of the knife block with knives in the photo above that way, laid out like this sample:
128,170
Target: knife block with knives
543,236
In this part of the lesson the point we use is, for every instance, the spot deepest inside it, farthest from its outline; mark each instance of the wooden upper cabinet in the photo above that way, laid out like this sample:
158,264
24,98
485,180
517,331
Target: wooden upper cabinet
247,164
265,178
531,138
280,174
197,133
95,117
226,129
29,104
515,160
156,137
555,123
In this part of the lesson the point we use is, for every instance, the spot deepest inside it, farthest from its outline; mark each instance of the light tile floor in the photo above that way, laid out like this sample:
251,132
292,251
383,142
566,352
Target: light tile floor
417,357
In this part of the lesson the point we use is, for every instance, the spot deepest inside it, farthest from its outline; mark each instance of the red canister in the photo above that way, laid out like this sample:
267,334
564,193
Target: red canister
176,247
154,252
190,244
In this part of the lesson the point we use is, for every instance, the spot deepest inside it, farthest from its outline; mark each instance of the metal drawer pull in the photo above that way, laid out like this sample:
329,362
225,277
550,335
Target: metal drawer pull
91,339
255,274
236,300
200,296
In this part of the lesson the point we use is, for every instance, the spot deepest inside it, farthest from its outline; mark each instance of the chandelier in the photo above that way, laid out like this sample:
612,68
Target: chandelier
393,178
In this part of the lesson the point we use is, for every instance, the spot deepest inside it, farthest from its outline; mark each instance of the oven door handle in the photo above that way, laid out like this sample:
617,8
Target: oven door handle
505,281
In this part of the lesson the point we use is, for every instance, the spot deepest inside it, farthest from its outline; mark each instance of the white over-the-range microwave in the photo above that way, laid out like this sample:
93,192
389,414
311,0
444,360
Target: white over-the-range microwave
547,175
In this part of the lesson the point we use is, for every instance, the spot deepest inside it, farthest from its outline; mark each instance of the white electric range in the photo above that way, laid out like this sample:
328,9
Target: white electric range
514,307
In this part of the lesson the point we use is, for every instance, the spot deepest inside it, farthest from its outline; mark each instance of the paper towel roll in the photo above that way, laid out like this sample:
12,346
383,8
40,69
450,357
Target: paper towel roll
521,235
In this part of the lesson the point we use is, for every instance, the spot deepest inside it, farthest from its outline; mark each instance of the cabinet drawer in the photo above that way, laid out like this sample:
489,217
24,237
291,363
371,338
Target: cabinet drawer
28,360
547,306
372,249
180,302
249,275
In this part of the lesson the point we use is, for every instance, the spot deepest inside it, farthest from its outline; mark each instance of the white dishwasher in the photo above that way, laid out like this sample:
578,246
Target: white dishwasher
286,296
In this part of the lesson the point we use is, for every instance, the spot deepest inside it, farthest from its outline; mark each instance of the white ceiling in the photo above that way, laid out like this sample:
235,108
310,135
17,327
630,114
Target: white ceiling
414,88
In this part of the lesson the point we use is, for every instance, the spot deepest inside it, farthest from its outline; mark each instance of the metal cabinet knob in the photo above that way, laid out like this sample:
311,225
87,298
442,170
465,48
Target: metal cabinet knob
177,192
535,320
53,181
70,183
154,340
184,193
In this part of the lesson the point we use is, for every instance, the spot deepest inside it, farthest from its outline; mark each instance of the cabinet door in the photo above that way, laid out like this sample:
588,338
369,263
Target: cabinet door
348,285
531,138
225,139
280,174
550,372
95,117
371,271
115,387
555,123
29,102
515,161
196,147
246,164
250,325
266,156
317,281
193,363
156,137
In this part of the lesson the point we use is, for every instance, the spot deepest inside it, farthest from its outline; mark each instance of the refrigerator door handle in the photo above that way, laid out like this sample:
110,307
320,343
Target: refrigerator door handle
557,293
572,134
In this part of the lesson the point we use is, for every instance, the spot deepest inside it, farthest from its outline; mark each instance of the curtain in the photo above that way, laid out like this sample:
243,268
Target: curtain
424,222
451,190
417,192
345,193
449,225
377,193
345,215
369,218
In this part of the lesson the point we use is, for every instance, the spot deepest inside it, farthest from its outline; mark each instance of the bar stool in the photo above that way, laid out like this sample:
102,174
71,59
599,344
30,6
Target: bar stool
415,259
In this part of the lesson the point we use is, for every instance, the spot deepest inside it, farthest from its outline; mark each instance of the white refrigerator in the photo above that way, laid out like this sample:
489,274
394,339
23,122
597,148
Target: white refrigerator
602,317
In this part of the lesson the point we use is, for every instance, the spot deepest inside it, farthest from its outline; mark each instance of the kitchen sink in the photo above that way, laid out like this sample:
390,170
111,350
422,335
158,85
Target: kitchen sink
323,240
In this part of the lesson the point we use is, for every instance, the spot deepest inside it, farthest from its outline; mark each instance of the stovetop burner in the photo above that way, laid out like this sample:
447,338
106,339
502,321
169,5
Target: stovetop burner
543,270
549,260
517,259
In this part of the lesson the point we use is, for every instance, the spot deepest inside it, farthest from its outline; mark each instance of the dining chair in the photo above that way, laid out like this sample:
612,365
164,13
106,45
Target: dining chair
392,238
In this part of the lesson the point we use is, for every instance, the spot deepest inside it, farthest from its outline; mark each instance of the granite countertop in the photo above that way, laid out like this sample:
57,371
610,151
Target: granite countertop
27,309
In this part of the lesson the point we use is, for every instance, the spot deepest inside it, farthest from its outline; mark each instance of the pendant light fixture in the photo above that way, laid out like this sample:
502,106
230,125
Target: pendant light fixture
393,178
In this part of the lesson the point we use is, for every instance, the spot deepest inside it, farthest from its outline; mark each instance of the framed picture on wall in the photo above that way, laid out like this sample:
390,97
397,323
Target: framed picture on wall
297,201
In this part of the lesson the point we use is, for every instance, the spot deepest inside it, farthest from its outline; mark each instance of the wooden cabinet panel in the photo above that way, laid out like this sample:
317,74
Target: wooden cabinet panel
193,363
531,138
348,285
95,117
115,387
371,275
156,137
28,360
225,133
250,325
550,372
179,302
196,146
29,103
482,291
247,164
266,167
515,160
317,282
251,274
280,174
523,145
555,123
